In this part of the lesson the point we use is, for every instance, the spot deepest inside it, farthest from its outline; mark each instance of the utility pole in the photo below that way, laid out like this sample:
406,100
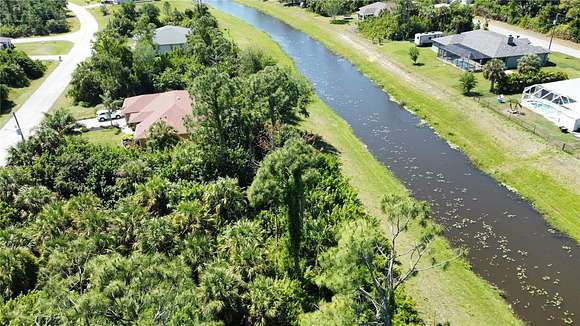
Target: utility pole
553,28
19,130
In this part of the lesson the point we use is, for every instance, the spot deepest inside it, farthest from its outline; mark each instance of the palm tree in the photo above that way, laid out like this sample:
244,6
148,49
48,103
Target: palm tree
529,63
493,71
161,136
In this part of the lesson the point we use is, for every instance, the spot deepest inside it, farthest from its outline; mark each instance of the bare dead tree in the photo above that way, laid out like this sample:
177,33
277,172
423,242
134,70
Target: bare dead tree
401,212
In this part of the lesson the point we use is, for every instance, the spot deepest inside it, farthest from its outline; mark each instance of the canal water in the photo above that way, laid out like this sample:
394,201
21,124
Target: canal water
509,243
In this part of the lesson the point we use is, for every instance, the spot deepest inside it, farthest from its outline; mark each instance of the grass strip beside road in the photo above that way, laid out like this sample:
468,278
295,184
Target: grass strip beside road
79,112
74,23
496,145
102,20
20,95
46,48
85,2
456,294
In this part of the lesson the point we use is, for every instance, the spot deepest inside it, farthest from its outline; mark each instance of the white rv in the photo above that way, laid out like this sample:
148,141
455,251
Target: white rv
427,38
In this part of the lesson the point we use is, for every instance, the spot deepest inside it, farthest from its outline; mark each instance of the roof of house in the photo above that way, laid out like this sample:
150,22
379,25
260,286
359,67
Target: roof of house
464,51
171,35
492,44
145,110
375,8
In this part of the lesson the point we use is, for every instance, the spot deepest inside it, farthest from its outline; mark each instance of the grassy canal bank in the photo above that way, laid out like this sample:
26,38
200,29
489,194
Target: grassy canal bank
544,175
455,294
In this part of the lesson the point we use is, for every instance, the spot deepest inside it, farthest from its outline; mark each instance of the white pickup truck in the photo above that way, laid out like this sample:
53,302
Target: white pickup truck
104,115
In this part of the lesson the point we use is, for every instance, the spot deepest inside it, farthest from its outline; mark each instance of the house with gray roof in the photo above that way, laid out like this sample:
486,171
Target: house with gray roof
471,50
374,9
170,37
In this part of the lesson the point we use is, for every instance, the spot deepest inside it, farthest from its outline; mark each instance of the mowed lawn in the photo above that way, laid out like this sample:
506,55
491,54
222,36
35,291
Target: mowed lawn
456,294
20,95
110,136
101,19
79,112
73,22
46,48
430,67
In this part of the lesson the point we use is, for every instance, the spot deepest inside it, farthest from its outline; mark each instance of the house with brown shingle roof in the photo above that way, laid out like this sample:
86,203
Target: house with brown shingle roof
142,111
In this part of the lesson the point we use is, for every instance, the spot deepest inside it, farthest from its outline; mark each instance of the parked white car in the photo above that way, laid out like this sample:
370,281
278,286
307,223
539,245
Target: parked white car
104,115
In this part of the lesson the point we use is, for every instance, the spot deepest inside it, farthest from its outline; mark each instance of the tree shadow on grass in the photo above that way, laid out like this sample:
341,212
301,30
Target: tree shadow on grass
419,64
473,94
319,143
339,21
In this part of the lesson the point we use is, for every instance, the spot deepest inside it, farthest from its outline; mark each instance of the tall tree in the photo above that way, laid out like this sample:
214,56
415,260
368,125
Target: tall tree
214,107
402,213
333,8
281,180
274,94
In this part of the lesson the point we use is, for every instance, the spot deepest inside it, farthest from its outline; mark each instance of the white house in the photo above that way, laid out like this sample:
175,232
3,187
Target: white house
558,102
170,37
374,9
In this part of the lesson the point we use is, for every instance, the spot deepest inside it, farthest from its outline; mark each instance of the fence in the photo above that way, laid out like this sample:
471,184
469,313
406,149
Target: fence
571,147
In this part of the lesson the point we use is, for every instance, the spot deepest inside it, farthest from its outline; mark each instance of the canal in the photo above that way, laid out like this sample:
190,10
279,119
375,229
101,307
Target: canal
509,243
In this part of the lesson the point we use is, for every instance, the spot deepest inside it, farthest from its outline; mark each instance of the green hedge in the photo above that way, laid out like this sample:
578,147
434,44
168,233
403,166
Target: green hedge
516,82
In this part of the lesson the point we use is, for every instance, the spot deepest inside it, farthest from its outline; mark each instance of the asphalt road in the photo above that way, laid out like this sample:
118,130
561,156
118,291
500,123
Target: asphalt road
540,41
33,110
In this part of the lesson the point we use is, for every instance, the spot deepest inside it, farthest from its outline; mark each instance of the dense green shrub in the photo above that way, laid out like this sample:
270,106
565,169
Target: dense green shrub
4,92
18,272
346,6
33,69
13,75
32,17
516,81
16,68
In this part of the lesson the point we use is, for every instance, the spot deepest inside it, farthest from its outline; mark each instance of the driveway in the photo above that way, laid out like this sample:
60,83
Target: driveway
33,110
557,46
94,124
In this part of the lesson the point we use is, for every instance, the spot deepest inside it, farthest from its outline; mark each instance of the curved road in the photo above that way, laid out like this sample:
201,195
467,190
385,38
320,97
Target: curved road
32,111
